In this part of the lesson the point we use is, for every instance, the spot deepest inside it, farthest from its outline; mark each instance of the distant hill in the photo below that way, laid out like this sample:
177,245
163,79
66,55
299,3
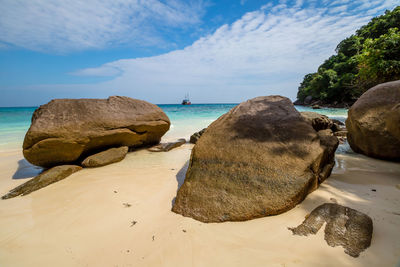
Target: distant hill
363,60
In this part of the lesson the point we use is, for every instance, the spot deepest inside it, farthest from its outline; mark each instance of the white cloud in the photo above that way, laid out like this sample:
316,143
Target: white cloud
63,26
265,52
107,70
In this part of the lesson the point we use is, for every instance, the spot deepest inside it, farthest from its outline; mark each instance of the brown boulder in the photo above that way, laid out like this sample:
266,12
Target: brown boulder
317,121
373,122
46,178
261,158
106,157
67,130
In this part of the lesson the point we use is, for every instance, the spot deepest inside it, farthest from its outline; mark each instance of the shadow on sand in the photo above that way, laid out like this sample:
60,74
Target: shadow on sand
26,170
180,178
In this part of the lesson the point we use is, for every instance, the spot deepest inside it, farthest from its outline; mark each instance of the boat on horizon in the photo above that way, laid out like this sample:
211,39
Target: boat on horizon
186,100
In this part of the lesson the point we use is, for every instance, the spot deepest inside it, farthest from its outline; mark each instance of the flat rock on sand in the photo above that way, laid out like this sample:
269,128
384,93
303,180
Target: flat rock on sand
106,157
165,147
46,178
68,130
373,122
261,158
345,227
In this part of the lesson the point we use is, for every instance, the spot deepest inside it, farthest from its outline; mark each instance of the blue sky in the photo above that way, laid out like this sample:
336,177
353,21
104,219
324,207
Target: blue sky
217,51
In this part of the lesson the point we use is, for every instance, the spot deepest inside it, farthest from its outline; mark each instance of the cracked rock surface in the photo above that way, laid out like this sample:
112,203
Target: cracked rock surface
65,131
345,227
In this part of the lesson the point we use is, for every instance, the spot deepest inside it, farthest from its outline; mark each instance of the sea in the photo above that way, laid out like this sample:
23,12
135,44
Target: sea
185,120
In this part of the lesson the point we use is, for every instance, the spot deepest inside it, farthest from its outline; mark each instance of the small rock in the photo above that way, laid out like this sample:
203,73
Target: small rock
184,230
316,107
317,121
338,122
133,223
127,205
196,136
106,157
165,147
340,133
345,227
373,190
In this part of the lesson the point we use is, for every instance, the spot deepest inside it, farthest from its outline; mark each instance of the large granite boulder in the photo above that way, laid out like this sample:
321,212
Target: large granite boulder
373,122
67,130
261,158
106,157
44,179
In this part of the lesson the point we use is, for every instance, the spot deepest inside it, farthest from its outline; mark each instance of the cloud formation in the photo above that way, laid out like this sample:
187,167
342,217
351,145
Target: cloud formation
65,26
267,51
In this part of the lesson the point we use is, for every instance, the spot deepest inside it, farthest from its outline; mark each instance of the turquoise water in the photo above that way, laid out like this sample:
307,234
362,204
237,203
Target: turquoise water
14,122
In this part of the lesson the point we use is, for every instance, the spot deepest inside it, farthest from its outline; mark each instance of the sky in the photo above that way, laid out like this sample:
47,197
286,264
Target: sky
224,51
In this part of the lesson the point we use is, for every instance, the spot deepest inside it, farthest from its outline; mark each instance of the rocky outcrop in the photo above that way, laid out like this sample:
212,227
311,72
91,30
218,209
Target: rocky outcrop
345,227
317,121
308,100
329,143
261,158
68,130
373,122
321,122
165,147
106,157
194,137
337,125
44,179
316,107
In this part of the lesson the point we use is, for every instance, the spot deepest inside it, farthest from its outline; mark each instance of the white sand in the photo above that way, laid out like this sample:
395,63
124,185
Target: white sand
81,221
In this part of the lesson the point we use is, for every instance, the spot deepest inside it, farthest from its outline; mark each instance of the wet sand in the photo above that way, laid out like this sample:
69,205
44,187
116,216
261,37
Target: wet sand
83,221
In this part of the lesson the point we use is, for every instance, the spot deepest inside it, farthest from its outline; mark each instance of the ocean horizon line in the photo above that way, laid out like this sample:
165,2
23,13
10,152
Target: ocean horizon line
169,104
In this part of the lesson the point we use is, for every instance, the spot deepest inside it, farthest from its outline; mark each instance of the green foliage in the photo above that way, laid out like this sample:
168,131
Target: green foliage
380,59
369,57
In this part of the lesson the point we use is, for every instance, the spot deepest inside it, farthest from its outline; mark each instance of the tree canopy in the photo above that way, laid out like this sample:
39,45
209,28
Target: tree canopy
365,59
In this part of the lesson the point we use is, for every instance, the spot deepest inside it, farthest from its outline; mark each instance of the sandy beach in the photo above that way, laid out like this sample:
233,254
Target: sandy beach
283,117
120,215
